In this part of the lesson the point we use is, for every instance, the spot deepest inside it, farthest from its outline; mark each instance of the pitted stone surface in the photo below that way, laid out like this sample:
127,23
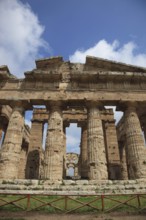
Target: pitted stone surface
96,147
84,152
134,145
53,161
34,157
10,153
73,187
74,93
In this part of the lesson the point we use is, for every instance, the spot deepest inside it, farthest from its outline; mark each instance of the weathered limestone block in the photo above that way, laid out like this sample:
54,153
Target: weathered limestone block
134,144
84,152
65,69
53,162
10,154
35,151
96,148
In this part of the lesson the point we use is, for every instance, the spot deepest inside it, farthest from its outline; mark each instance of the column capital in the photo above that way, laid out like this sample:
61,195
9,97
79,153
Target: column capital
123,106
19,104
53,104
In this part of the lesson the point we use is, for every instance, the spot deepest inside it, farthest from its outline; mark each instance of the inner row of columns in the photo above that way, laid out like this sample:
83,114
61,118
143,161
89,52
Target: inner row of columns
93,152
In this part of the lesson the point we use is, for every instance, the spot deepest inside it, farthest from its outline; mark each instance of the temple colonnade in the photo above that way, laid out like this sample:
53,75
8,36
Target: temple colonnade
106,152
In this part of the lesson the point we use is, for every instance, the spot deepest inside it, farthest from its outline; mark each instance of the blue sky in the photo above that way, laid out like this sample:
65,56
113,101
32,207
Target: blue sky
33,29
112,29
80,24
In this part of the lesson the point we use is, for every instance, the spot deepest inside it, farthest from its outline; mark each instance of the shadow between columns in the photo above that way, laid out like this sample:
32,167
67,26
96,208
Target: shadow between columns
32,165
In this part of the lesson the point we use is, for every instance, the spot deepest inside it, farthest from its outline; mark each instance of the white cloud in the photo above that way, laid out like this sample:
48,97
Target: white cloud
20,36
71,140
103,49
72,143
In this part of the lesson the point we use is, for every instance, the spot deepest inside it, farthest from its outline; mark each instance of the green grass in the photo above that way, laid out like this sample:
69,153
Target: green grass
12,219
60,203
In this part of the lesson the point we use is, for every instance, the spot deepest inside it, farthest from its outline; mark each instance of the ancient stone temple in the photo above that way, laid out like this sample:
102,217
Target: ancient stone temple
74,93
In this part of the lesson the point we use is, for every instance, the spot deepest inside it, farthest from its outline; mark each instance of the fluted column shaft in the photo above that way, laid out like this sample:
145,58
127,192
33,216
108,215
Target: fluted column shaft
134,145
54,145
96,148
64,151
23,161
112,149
84,153
123,160
35,150
10,155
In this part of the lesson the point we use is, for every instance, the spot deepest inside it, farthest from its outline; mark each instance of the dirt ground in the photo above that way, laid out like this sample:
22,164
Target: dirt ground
43,216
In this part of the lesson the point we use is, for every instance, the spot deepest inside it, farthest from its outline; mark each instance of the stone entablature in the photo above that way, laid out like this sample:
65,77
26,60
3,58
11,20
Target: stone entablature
83,82
74,93
72,115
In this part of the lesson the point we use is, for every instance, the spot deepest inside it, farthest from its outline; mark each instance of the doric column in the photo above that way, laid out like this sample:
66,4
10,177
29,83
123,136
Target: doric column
111,142
23,161
96,148
134,144
10,154
65,124
35,150
124,171
83,151
54,144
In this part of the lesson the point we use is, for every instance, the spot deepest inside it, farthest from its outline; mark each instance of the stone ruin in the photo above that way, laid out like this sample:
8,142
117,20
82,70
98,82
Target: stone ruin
74,93
72,161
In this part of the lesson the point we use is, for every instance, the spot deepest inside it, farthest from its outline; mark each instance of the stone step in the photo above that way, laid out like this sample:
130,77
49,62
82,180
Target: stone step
80,186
